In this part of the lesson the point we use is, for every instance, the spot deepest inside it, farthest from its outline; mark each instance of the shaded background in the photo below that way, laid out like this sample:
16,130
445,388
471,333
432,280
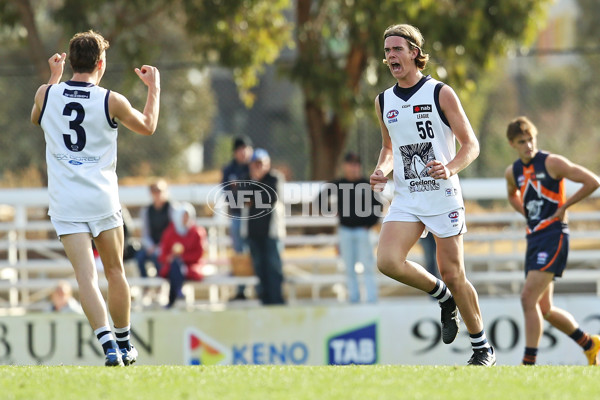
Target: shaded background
299,78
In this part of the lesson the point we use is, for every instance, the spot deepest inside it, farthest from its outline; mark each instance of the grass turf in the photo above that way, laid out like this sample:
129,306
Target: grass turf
299,382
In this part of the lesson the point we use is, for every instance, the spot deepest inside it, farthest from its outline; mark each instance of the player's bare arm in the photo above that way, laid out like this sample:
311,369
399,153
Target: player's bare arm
560,167
38,102
385,164
57,65
514,194
144,122
459,123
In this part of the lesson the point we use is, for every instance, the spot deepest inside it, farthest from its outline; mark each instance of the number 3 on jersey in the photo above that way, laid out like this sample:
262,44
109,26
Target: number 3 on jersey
75,125
425,129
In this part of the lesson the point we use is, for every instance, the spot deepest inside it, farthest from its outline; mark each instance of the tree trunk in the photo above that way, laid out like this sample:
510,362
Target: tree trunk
327,123
327,141
37,53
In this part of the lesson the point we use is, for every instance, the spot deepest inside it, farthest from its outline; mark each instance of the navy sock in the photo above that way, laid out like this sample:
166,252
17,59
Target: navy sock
583,339
106,339
530,356
479,341
440,292
122,335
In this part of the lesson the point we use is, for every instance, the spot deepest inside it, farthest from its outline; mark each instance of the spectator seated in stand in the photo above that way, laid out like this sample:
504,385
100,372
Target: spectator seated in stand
182,247
62,300
155,219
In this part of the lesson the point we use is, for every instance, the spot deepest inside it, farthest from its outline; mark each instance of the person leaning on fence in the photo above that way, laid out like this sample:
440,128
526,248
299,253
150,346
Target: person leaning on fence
536,189
421,119
235,171
79,120
154,218
358,211
264,226
181,249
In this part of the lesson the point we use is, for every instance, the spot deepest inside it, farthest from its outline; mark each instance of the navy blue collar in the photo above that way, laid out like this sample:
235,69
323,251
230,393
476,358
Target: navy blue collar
80,84
406,93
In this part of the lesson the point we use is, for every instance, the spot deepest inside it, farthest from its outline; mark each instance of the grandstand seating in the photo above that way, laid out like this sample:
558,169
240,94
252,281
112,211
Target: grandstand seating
32,260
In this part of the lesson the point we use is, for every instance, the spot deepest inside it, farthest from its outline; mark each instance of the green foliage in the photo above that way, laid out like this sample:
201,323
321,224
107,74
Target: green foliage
132,26
136,38
8,14
335,58
243,35
462,37
185,118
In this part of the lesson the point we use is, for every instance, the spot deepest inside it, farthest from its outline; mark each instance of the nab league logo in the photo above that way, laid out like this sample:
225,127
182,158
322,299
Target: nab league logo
422,108
201,349
356,346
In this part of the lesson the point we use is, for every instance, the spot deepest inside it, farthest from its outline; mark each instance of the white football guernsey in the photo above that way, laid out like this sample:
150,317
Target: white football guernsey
420,133
81,152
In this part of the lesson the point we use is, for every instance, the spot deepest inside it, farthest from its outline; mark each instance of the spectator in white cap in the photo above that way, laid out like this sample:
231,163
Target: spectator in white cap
264,226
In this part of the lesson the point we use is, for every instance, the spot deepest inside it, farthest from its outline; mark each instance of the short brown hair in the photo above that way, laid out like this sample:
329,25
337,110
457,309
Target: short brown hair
85,50
414,38
520,126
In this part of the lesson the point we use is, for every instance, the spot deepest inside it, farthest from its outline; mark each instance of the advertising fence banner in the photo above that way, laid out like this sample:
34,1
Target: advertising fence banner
399,332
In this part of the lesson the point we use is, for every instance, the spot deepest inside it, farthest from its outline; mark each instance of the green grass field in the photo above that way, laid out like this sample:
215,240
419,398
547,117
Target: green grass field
285,382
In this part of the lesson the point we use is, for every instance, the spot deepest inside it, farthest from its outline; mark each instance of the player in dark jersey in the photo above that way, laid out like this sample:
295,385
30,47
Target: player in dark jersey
536,189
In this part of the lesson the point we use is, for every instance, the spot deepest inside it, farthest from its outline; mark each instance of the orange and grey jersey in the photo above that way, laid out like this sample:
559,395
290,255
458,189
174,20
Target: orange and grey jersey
420,133
541,194
81,152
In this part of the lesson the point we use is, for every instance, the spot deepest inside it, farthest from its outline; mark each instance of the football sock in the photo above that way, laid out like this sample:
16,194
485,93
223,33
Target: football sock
122,335
530,356
479,340
582,338
106,339
440,291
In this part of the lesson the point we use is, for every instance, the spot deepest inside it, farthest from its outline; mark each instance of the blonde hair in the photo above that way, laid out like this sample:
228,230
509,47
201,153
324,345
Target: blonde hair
414,38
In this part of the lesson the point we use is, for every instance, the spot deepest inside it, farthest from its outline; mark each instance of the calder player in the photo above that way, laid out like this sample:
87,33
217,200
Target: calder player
78,118
536,189
420,121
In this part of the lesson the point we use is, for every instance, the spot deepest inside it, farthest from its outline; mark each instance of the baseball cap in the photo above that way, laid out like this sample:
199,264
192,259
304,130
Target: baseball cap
352,157
259,155
241,141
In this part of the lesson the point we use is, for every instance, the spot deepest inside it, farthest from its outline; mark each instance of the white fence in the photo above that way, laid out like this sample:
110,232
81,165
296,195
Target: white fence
494,246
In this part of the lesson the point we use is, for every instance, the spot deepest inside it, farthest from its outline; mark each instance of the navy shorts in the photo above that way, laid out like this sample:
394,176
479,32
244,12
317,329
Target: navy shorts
547,252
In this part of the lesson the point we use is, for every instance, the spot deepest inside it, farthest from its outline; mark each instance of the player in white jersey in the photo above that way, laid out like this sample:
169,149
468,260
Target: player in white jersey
420,120
79,120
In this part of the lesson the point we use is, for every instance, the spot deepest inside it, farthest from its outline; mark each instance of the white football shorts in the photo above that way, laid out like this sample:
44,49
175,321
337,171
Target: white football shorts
93,227
444,225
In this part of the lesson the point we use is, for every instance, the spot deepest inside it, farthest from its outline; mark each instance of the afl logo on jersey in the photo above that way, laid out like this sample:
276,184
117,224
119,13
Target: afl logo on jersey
453,214
422,108
391,116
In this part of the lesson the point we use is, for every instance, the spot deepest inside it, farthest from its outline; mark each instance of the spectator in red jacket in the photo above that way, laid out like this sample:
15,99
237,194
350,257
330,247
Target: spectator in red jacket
182,246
